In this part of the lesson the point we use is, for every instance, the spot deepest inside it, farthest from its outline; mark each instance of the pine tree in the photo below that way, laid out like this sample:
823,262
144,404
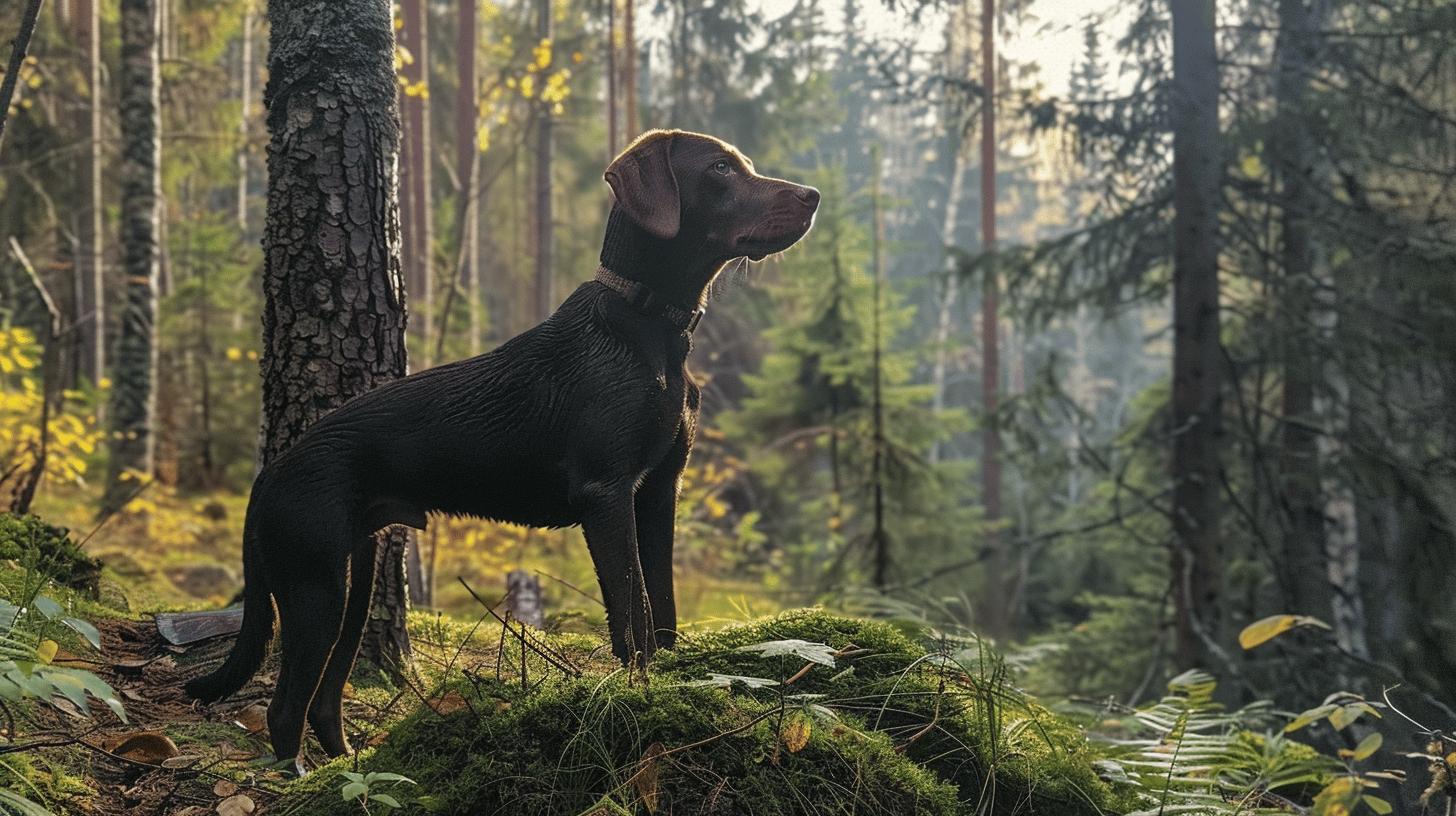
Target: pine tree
334,309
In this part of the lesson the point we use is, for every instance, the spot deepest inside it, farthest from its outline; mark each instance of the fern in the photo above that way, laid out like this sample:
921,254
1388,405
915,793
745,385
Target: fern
1198,757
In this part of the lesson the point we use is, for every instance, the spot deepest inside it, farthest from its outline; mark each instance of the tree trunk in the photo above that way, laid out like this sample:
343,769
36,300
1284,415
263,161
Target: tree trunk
419,225
612,78
879,534
90,306
1299,457
545,299
955,138
245,94
995,620
629,69
334,301
133,397
18,47
419,222
1197,364
465,161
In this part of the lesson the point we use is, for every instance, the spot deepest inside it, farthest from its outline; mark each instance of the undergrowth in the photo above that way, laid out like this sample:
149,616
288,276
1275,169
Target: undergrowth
890,727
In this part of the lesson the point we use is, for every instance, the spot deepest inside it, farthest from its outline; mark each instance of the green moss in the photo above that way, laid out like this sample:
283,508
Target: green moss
901,731
49,551
44,777
569,745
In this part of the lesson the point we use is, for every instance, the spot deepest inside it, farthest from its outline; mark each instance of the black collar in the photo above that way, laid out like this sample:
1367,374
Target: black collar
649,302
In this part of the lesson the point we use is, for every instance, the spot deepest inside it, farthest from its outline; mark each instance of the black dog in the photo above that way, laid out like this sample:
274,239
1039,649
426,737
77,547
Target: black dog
585,419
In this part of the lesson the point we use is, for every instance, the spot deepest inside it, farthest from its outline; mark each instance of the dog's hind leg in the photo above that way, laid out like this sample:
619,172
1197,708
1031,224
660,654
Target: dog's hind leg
310,599
326,714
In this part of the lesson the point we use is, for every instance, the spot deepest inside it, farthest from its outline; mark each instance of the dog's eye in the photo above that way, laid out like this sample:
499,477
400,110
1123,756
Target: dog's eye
722,168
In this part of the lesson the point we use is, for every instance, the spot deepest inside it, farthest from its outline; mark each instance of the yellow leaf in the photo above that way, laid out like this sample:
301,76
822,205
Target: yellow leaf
1271,627
1252,166
46,651
796,733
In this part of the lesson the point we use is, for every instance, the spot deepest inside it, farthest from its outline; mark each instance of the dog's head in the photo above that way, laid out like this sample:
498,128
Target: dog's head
680,185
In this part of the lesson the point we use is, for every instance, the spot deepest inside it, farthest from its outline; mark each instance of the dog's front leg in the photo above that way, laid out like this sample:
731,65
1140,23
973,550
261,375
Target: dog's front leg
609,522
656,515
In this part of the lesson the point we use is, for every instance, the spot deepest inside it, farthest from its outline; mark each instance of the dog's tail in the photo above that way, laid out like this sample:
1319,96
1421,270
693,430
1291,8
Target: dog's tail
252,644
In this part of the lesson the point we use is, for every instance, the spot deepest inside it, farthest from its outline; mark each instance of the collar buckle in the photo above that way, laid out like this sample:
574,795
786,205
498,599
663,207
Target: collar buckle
692,322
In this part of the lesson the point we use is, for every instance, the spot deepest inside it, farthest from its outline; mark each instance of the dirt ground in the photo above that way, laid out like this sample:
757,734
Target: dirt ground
174,757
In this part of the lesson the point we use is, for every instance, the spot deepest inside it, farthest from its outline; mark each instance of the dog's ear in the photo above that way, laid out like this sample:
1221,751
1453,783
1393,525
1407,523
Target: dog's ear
642,180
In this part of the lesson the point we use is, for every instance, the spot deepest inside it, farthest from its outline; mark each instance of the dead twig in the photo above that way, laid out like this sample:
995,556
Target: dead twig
542,650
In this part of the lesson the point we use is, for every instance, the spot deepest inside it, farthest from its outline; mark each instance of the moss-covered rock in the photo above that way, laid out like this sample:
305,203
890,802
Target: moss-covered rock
889,729
48,550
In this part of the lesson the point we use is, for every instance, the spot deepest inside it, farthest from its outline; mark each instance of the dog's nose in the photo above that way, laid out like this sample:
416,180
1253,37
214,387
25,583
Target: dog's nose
808,195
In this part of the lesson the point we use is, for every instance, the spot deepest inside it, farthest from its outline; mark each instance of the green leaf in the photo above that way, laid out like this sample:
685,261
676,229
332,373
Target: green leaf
1309,717
71,688
1368,746
384,776
86,630
384,799
1377,804
1271,627
9,613
726,680
813,652
11,802
48,607
353,790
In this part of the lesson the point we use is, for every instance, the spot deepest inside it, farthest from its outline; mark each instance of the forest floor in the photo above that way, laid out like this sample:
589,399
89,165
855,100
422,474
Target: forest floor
467,721
172,756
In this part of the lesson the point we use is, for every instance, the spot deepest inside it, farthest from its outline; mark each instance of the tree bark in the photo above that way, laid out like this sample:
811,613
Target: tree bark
1197,365
334,299
133,395
545,299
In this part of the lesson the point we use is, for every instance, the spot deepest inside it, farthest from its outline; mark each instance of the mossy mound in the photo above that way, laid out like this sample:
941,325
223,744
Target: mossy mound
889,729
49,551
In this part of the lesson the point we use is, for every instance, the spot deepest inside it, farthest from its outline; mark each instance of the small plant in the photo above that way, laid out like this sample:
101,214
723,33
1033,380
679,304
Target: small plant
361,788
27,651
